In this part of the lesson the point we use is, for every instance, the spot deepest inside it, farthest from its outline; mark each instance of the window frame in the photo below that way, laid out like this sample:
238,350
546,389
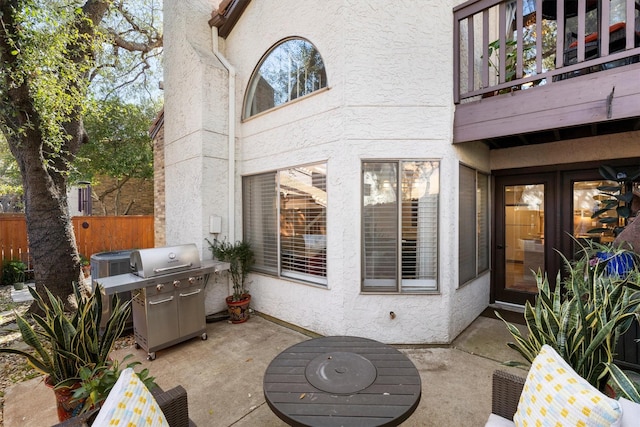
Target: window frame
254,80
402,284
479,202
277,268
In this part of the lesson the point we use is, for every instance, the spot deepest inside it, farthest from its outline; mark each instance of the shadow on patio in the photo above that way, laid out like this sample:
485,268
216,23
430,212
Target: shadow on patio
223,376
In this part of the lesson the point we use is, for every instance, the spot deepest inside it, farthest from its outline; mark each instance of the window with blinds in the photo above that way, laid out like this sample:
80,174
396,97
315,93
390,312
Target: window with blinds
260,220
473,224
285,216
400,226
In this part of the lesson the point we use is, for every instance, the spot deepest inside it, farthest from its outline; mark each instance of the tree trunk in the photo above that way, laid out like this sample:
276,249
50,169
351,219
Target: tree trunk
44,164
52,242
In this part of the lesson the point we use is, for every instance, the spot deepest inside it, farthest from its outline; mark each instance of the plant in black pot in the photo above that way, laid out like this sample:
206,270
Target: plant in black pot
240,257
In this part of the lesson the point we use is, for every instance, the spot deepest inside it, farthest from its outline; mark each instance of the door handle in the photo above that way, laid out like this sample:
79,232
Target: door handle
190,293
499,247
161,301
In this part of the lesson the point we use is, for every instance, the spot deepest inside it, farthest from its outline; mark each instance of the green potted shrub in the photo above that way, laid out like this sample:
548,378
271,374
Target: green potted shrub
240,257
13,273
86,266
96,382
66,343
582,318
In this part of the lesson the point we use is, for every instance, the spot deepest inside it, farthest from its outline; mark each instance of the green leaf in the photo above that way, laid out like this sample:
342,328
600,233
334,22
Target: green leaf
607,172
628,388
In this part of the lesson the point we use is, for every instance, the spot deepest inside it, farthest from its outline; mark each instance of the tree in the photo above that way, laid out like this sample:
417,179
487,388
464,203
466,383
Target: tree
119,147
50,53
10,183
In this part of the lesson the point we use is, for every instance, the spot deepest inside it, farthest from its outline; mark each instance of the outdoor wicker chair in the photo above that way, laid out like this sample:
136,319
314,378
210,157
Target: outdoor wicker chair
506,391
173,404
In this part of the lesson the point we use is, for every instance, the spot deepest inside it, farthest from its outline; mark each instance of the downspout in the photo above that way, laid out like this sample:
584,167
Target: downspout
231,145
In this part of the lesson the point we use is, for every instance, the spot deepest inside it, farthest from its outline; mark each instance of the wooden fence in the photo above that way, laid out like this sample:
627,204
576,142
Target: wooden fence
93,234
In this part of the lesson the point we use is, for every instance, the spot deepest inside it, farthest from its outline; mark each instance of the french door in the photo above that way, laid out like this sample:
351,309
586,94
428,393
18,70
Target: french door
525,207
536,217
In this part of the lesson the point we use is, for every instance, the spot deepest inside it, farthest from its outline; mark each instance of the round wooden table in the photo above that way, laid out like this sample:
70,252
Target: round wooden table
342,381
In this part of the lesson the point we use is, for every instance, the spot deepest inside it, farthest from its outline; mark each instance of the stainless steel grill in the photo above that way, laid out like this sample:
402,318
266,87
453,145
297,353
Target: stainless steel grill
167,286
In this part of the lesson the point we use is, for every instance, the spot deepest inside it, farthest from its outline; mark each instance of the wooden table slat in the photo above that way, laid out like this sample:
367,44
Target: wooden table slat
390,399
356,399
361,421
351,410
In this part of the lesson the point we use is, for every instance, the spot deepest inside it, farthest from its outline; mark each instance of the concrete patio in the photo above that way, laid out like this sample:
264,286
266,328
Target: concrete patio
223,376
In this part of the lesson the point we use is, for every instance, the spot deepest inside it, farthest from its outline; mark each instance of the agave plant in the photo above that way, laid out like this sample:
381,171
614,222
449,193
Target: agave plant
582,318
65,343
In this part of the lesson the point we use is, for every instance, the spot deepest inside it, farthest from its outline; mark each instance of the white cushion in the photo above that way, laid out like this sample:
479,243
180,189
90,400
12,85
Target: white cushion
497,421
630,413
554,391
130,404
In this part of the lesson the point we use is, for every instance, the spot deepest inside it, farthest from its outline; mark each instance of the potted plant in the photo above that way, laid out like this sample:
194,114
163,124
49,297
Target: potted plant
86,266
96,382
240,257
65,343
13,273
582,318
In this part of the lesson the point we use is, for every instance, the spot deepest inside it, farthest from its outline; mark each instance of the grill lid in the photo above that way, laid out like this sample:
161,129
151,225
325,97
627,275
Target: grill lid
164,260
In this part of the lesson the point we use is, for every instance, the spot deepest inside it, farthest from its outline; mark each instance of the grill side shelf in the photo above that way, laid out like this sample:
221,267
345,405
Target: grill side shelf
130,281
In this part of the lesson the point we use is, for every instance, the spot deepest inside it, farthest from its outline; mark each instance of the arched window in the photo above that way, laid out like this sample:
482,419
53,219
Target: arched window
291,69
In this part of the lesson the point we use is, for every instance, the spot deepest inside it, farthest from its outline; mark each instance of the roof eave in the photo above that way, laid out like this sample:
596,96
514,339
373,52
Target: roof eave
225,17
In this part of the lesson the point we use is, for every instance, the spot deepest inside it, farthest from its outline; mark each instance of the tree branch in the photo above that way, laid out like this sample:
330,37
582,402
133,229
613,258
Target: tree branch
131,46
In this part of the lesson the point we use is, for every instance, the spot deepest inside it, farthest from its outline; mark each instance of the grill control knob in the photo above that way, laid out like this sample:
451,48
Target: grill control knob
159,287
176,283
192,280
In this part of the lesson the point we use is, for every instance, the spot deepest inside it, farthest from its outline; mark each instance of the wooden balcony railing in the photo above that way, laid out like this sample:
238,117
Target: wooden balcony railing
502,46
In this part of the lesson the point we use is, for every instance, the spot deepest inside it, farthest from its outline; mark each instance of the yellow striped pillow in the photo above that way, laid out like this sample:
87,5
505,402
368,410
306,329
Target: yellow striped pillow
130,404
555,395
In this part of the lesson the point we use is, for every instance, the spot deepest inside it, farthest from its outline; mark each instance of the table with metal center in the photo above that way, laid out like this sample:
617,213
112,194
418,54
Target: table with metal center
342,381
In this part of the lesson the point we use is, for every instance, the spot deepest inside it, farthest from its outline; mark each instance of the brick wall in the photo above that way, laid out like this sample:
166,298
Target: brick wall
136,194
157,133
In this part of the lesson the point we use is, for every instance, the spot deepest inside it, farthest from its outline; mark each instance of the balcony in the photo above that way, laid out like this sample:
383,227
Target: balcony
533,71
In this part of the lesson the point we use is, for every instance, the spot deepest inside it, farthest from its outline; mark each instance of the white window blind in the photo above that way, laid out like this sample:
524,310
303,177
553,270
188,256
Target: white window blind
380,226
467,245
473,224
400,231
483,222
303,221
285,221
260,220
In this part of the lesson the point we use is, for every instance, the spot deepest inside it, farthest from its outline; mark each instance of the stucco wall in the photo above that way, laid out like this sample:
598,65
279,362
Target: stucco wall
196,128
600,148
389,97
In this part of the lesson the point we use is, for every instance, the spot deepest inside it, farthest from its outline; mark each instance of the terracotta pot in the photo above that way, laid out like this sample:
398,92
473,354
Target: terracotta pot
610,391
65,404
238,310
